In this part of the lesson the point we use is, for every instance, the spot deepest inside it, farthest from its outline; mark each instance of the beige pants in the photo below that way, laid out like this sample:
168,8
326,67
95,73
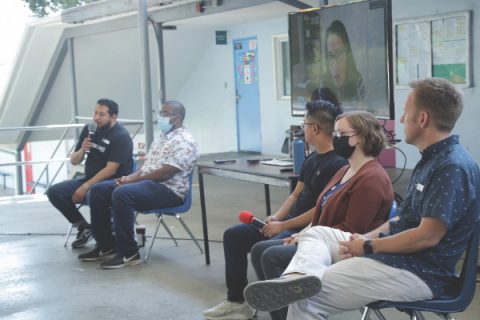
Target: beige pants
347,284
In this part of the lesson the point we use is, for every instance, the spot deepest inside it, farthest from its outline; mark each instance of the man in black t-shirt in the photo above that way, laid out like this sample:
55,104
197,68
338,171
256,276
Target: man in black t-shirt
109,156
295,213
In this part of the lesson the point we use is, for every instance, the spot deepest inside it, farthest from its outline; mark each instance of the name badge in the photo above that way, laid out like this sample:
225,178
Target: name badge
420,187
106,141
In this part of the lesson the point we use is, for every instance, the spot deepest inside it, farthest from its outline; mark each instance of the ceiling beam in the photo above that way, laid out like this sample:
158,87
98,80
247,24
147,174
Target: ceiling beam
161,11
103,9
297,4
201,8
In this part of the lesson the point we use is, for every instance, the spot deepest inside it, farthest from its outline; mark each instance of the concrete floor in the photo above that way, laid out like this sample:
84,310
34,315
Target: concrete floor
41,279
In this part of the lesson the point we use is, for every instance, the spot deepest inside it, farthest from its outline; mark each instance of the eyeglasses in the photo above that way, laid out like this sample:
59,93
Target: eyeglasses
166,114
340,134
303,125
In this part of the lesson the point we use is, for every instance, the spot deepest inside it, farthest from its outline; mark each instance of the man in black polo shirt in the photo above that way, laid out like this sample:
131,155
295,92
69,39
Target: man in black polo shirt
109,156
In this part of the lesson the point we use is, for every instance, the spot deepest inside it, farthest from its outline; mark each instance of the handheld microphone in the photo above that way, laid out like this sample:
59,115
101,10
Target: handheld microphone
92,127
249,218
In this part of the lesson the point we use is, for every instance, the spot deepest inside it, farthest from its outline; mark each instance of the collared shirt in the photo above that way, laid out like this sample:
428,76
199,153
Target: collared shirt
178,149
444,185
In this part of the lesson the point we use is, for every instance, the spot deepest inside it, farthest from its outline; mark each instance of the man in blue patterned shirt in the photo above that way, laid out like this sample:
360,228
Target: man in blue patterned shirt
413,256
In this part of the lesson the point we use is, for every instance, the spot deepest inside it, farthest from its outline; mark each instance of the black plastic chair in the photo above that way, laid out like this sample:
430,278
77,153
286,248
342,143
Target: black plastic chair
458,296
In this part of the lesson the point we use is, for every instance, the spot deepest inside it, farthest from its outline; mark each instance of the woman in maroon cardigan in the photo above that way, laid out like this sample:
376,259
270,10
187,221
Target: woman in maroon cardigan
356,200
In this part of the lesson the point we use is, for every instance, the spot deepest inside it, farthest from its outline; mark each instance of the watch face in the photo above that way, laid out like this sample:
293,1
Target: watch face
367,247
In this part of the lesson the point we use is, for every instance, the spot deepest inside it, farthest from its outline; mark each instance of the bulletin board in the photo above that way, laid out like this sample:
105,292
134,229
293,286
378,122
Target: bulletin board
437,46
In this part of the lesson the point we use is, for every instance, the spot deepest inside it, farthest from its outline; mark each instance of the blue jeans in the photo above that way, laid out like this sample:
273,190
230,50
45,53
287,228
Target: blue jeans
237,242
60,196
270,259
124,201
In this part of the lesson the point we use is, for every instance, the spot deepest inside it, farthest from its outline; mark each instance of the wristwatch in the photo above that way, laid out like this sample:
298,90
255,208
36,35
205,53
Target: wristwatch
367,247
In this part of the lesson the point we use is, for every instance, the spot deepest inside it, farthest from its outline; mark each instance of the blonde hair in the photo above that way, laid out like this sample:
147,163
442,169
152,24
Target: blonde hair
441,99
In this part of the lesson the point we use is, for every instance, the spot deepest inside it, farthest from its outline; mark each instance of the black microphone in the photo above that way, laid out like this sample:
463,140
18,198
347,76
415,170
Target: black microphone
92,127
249,218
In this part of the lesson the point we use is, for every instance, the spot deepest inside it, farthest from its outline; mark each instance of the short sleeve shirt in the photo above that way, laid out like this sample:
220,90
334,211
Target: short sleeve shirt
317,170
444,185
178,149
108,145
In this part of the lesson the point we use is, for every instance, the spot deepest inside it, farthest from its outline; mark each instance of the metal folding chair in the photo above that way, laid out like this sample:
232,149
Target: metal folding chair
174,211
457,298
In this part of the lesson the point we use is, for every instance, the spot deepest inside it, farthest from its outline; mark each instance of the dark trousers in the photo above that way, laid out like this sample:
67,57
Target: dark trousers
60,196
270,259
124,201
237,242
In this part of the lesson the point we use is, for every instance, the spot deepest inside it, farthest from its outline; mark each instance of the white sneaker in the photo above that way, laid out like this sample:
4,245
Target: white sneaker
275,294
229,310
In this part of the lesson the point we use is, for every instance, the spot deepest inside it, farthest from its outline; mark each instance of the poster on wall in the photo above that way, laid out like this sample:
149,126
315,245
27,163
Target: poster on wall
450,49
413,52
437,46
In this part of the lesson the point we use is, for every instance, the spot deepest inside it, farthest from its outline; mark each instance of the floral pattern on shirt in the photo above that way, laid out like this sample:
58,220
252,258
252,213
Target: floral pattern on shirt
178,149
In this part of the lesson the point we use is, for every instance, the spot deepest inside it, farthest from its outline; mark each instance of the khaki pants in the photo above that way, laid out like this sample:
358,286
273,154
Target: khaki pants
347,284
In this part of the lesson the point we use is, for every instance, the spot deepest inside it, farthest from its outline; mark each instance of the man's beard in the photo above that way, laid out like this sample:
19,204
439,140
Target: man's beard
106,126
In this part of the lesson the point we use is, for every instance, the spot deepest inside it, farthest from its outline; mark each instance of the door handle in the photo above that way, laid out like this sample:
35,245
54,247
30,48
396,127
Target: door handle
237,96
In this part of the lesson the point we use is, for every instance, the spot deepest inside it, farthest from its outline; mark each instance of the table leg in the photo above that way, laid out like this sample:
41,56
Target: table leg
204,218
267,199
293,184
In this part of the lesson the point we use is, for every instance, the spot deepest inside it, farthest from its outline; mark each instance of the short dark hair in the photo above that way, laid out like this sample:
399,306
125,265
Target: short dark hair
368,129
440,99
325,110
110,104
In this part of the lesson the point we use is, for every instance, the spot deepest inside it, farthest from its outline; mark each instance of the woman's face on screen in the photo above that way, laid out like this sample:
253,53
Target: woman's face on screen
337,59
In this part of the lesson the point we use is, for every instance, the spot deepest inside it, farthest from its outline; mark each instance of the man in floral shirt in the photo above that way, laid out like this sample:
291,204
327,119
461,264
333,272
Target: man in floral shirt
161,182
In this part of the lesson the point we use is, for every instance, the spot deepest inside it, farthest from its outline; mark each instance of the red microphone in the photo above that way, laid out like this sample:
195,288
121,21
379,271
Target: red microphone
249,218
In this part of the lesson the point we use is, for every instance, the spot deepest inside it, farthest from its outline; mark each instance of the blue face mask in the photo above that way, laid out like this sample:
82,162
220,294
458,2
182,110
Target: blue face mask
164,124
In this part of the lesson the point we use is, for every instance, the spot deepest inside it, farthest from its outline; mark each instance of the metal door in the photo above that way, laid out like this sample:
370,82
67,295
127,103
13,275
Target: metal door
247,95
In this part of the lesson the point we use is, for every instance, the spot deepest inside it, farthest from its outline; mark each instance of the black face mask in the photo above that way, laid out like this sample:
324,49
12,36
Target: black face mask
342,148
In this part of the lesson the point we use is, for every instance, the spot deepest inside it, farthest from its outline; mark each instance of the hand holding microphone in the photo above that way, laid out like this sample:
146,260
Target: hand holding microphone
249,218
92,127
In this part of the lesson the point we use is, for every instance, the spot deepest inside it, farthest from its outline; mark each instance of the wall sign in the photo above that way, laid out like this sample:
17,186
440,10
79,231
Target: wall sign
221,37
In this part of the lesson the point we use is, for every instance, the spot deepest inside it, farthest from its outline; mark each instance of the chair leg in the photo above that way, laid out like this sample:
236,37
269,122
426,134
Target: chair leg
416,315
366,313
135,218
153,239
69,232
168,231
379,314
189,232
446,316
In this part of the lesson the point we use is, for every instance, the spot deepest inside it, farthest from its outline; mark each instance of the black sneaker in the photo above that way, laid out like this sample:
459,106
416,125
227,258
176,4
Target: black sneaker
84,234
121,261
96,254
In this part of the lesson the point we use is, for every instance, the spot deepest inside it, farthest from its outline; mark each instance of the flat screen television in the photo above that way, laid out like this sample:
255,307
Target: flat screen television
347,49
